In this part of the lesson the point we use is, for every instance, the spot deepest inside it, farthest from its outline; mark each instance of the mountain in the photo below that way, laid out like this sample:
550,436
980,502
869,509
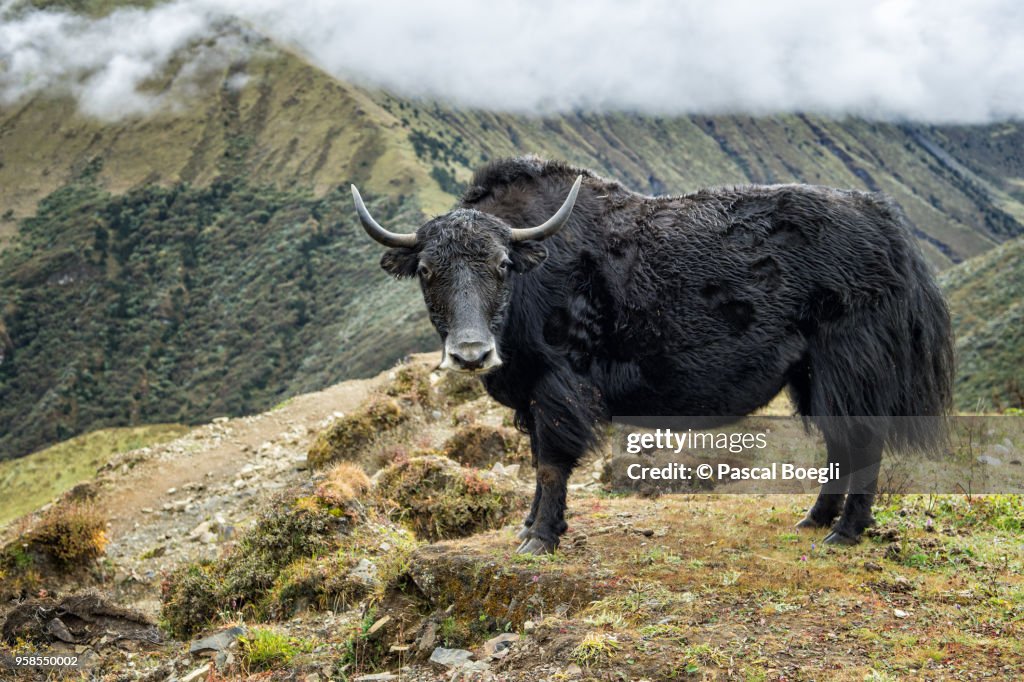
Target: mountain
204,259
986,296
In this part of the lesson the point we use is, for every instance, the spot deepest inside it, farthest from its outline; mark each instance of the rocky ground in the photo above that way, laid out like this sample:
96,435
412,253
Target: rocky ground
366,532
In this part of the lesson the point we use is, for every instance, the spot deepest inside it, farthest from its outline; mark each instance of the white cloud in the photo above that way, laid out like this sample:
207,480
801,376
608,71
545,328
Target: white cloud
935,61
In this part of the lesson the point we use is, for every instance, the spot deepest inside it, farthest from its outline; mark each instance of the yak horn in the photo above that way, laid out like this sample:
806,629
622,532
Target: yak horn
555,222
373,228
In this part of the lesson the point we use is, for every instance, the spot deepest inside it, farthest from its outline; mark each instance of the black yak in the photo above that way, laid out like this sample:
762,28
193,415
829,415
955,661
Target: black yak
707,304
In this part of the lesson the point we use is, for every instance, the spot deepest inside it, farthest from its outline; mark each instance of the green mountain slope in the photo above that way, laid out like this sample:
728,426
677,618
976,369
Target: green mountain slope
204,260
986,297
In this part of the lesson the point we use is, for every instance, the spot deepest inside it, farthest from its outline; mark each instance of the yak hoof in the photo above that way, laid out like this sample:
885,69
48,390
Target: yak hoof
810,522
536,546
523,533
837,538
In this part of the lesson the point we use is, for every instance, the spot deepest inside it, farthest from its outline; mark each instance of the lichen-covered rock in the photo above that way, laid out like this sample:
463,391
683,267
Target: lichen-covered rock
348,435
439,499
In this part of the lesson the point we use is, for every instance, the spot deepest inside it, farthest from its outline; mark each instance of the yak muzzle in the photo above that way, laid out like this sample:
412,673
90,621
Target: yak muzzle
471,356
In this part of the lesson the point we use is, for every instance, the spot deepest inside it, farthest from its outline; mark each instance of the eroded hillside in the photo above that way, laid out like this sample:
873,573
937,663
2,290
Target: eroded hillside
368,530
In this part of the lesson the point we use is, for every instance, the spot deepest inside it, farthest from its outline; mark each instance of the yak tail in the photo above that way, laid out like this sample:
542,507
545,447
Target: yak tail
888,365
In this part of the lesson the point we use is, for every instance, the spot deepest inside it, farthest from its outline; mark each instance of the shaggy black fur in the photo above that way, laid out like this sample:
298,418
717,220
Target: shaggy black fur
705,304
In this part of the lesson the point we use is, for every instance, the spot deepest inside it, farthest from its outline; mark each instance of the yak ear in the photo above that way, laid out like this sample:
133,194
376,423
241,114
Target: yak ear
527,255
400,262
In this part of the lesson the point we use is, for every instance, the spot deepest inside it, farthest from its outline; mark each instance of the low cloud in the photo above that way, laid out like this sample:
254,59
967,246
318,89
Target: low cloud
895,59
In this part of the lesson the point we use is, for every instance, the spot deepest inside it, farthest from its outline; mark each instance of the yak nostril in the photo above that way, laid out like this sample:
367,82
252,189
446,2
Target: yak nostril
472,357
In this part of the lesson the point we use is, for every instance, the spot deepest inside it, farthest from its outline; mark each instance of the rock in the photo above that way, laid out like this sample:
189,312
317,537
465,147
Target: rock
990,460
198,674
219,641
208,538
900,613
364,572
238,484
872,566
428,638
301,463
529,626
472,671
312,677
376,677
450,658
497,647
199,531
574,670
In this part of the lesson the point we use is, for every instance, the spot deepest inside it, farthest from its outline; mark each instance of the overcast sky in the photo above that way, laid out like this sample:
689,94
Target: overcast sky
924,60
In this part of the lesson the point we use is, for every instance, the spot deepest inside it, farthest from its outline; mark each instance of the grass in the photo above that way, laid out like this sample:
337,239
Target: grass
266,649
32,481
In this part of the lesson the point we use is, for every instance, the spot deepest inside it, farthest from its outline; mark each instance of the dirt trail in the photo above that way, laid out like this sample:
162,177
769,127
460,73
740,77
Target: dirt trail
220,450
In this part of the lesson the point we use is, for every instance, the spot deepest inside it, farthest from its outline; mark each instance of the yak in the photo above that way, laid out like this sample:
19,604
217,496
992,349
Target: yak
576,299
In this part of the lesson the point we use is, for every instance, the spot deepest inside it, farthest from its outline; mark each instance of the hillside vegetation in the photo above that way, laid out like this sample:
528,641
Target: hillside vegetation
986,296
204,260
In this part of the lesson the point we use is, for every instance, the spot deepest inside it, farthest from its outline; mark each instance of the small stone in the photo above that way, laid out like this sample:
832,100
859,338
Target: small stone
218,641
872,566
199,531
171,491
450,658
990,460
208,538
238,484
376,677
497,647
364,572
198,674
529,626
574,670
147,510
900,613
312,677
302,463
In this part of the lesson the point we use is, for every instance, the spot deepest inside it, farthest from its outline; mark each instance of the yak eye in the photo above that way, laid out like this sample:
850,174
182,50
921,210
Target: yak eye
504,265
424,271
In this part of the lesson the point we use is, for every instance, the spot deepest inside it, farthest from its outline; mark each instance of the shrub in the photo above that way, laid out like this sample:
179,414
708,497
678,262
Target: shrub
344,438
438,499
71,533
343,484
191,599
480,445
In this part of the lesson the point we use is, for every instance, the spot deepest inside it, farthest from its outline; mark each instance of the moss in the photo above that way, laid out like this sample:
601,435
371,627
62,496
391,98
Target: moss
190,599
458,388
480,445
347,435
328,581
411,382
438,499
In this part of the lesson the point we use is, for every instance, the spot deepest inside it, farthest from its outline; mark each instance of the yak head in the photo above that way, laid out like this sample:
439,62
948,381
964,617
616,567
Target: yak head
465,261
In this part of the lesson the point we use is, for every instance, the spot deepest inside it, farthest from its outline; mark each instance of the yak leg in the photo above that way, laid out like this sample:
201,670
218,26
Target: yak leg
562,423
830,498
524,532
865,463
528,521
542,537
